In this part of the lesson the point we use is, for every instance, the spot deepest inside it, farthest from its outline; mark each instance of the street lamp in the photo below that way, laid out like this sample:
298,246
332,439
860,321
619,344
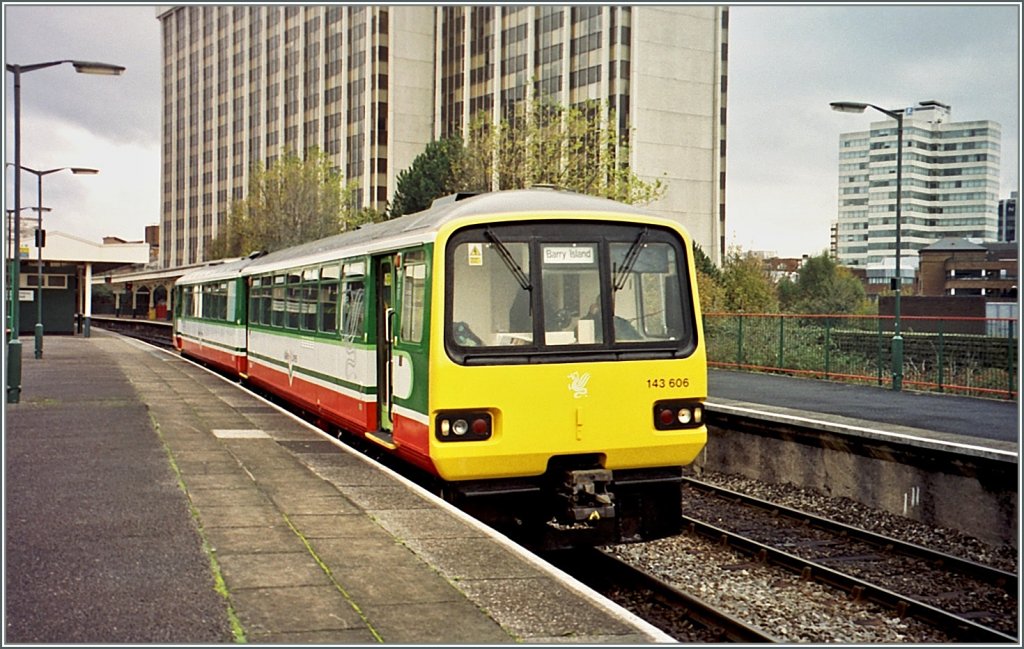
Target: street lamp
14,343
41,241
897,338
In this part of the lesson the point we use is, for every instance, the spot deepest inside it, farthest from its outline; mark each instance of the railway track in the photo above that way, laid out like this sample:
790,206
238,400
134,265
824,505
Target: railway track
967,601
679,614
153,332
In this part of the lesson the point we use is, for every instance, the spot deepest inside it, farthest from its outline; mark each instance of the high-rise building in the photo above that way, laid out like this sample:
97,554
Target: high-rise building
950,188
1008,218
372,85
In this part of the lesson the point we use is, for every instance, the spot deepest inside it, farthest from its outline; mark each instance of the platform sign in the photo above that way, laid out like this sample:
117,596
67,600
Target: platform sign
26,295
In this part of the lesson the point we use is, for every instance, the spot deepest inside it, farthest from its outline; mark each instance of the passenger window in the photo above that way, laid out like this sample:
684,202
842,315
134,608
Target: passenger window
294,301
353,300
328,298
414,281
278,302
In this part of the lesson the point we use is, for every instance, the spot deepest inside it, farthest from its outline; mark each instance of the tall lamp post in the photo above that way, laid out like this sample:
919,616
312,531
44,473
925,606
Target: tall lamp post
897,284
14,343
41,242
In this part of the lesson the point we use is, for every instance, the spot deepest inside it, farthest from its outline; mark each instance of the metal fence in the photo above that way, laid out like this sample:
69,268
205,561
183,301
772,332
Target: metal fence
969,356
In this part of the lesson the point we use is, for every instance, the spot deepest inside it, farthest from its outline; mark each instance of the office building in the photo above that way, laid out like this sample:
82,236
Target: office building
372,85
950,188
1008,219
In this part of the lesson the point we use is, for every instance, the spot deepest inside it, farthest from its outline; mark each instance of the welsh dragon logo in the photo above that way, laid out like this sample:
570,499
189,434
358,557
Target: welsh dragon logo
578,384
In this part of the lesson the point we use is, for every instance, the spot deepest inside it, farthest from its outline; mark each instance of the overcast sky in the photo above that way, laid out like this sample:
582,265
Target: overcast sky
786,63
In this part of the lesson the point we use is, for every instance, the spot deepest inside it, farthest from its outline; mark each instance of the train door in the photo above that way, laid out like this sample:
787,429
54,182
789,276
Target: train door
384,271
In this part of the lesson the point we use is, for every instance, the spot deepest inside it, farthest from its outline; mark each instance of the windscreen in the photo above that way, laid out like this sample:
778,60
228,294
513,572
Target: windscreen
526,292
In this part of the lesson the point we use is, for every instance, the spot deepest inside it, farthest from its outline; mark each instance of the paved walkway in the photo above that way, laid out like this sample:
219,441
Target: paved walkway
149,501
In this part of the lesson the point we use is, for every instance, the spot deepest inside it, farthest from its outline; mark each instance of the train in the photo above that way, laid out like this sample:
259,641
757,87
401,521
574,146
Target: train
538,353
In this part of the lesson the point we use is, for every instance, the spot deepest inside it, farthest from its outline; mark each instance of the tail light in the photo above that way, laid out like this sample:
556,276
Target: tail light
677,414
463,426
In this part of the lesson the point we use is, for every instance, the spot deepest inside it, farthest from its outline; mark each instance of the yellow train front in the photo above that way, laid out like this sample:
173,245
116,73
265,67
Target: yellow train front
567,368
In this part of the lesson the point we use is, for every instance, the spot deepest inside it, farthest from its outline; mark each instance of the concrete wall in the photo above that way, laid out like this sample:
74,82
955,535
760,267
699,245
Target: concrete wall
975,493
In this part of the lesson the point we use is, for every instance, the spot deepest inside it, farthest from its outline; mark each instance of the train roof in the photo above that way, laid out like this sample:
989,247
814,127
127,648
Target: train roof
216,270
421,226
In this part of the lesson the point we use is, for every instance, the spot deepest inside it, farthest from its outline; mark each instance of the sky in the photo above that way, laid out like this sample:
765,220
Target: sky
786,63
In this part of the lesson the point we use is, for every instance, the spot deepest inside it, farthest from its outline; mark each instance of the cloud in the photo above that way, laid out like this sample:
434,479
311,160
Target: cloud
119,201
125,107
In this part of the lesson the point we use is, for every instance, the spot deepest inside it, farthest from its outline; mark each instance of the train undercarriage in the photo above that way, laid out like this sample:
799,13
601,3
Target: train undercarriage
577,507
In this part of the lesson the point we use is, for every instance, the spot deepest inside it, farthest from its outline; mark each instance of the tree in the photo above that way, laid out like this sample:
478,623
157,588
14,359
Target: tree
293,201
822,286
431,175
748,287
704,263
575,148
709,282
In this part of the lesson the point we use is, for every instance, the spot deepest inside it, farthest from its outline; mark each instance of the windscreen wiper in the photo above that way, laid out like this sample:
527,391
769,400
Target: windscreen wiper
630,260
506,257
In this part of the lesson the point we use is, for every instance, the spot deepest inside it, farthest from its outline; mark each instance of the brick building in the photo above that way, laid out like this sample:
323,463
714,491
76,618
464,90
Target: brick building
957,267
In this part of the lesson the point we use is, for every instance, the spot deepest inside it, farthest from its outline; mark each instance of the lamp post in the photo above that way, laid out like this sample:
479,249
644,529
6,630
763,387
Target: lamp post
14,343
41,241
897,285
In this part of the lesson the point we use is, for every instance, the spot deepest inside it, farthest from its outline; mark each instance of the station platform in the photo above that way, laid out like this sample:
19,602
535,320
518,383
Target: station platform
964,421
150,501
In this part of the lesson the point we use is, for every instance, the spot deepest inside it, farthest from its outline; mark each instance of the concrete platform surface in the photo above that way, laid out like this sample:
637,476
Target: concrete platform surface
150,501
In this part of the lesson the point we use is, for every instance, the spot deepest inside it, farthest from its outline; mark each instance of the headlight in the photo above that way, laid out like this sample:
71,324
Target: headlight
463,426
677,414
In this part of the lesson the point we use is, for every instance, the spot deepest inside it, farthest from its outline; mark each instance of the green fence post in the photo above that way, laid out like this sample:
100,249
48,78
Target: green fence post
879,321
739,340
1010,357
828,331
782,338
942,356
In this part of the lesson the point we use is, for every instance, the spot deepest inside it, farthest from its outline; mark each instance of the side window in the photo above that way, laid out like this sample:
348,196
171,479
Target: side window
222,300
187,301
261,300
414,282
294,300
353,300
277,302
307,318
328,298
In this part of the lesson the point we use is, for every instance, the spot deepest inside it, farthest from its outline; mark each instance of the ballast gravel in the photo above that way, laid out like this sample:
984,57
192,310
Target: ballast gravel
784,605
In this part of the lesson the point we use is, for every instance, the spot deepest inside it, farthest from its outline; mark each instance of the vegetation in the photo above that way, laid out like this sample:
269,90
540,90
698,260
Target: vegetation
431,175
576,148
817,324
822,286
293,201
747,286
709,282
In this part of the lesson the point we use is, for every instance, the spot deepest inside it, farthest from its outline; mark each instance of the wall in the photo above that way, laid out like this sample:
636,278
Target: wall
973,493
